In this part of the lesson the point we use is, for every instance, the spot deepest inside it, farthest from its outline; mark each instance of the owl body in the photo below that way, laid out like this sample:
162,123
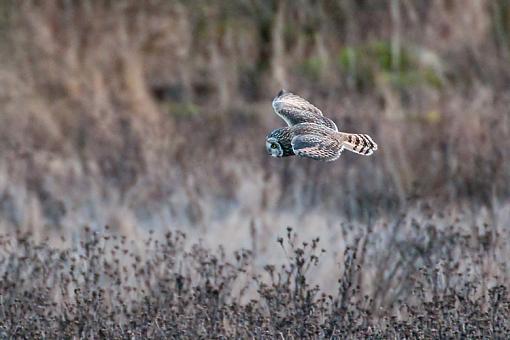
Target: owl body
317,142
310,134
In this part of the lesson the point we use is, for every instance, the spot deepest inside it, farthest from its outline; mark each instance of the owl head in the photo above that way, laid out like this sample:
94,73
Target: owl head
278,143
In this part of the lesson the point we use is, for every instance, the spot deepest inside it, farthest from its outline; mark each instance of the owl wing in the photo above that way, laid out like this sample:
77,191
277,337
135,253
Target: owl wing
322,148
294,110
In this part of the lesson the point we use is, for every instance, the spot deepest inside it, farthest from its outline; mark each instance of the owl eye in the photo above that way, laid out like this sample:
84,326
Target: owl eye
273,146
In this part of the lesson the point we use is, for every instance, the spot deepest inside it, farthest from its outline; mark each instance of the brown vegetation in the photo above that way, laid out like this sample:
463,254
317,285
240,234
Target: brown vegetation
109,107
107,288
152,115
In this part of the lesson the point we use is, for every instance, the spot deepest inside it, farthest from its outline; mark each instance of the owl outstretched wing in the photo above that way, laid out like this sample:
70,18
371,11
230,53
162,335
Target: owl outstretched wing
317,147
294,110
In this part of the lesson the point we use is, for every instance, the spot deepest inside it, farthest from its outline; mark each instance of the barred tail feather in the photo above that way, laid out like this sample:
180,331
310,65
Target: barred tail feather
359,143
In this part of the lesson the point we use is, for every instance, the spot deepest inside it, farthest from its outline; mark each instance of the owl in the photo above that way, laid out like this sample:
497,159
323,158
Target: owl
310,134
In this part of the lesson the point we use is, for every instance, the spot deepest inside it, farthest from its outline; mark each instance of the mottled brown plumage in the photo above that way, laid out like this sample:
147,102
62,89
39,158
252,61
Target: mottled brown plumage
310,134
294,110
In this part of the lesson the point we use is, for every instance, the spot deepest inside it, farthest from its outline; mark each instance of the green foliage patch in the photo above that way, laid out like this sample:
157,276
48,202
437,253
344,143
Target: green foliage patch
402,68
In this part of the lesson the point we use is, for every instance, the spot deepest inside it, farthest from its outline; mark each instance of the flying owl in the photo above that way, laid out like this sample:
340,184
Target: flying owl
310,134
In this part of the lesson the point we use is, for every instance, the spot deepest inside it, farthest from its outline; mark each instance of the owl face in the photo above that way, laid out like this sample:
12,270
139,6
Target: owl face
278,143
274,147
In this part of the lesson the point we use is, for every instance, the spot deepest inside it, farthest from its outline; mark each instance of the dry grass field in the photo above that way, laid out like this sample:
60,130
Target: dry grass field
137,200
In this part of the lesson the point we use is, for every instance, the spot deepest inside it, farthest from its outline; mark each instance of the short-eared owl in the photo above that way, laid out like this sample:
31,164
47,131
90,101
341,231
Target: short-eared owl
310,134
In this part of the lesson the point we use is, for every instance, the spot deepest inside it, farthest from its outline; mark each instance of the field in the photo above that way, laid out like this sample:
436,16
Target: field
137,199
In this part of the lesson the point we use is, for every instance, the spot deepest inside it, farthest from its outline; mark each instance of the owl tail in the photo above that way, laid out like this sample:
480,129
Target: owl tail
359,143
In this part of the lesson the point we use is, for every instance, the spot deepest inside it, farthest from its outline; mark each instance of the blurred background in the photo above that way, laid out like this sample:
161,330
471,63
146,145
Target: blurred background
152,115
